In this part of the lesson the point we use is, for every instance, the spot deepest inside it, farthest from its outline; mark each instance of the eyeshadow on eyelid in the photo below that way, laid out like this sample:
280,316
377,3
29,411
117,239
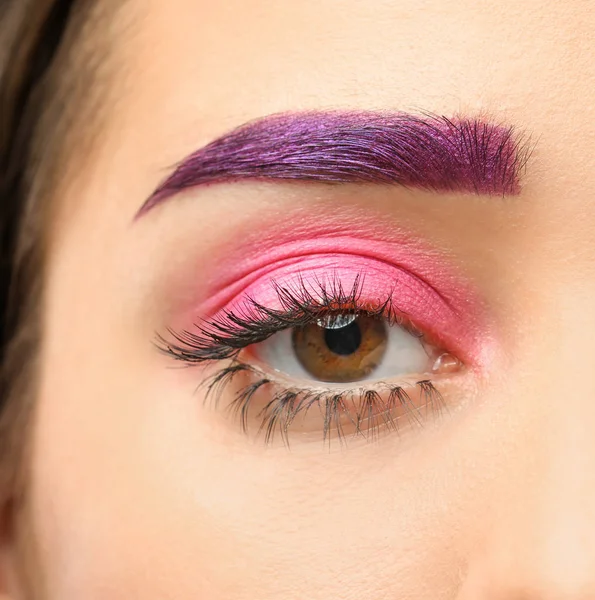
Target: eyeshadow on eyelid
243,263
412,297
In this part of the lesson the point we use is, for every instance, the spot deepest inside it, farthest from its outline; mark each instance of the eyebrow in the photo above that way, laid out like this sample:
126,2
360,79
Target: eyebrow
426,151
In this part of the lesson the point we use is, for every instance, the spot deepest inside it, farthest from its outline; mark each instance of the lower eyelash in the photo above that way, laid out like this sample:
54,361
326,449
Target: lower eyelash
368,411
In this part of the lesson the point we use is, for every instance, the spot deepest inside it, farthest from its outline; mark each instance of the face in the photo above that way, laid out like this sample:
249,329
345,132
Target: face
282,376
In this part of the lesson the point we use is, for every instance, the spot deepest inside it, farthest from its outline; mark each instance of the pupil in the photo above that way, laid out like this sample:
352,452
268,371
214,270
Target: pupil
345,340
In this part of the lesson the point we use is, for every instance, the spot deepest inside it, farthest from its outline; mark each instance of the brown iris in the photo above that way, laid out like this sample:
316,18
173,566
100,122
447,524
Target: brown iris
341,348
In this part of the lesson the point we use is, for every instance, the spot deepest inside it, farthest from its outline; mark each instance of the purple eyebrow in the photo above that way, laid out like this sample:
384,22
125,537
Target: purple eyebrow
428,151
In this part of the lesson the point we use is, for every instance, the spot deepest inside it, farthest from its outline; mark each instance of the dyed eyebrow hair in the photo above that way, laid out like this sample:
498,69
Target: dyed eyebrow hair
428,151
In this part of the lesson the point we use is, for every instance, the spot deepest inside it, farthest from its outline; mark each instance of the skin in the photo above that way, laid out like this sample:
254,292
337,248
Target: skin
137,491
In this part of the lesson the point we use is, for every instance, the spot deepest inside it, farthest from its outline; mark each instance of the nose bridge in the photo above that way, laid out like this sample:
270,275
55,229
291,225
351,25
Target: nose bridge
544,545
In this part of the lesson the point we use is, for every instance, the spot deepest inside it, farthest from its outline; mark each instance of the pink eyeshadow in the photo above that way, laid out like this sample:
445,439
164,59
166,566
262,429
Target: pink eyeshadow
377,281
322,248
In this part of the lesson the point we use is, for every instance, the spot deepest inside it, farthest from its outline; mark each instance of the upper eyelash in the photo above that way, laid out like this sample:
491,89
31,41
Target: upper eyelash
225,336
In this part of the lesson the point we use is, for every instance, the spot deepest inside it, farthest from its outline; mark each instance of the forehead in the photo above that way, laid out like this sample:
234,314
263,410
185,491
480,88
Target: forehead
218,57
178,74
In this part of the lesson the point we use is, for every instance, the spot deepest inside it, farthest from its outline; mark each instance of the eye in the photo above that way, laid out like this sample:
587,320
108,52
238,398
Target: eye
322,357
346,348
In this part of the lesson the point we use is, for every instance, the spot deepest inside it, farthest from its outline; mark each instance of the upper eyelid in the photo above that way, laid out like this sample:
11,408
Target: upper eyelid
323,245
217,339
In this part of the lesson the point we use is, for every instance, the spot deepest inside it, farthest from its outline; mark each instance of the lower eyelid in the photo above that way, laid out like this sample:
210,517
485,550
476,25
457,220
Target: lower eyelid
306,382
261,400
360,411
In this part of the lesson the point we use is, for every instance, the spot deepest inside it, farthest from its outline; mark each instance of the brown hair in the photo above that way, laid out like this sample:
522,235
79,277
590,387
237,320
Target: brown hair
31,33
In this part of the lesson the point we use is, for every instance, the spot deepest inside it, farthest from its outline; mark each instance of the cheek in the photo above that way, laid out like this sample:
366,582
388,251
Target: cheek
137,492
122,480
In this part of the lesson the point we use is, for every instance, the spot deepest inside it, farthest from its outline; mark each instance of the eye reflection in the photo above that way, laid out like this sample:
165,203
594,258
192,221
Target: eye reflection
341,348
